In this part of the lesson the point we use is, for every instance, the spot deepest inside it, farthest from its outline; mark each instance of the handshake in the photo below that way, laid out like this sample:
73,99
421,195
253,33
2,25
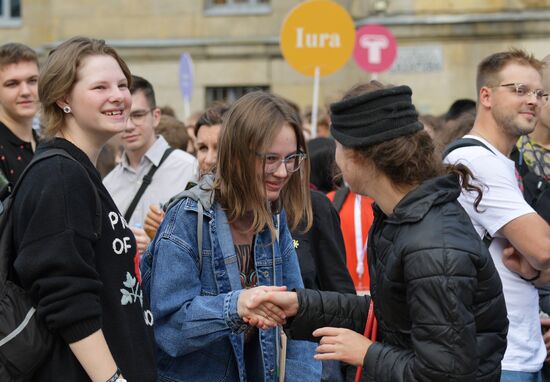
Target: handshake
267,306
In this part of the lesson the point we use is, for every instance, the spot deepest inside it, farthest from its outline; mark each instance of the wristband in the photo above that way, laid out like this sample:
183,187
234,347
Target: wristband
532,278
117,377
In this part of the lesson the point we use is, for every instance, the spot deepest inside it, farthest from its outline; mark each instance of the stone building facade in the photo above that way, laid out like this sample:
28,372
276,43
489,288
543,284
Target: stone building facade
235,43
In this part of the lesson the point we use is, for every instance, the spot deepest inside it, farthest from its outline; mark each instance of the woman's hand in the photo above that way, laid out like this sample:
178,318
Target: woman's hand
517,263
263,315
286,301
342,345
152,220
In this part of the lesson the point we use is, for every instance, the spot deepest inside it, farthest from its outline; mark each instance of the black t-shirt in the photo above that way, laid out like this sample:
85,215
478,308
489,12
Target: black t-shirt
81,279
15,154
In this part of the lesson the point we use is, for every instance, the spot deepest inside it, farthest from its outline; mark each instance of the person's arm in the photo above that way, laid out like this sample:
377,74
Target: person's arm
95,357
308,310
530,235
504,210
519,264
66,288
319,309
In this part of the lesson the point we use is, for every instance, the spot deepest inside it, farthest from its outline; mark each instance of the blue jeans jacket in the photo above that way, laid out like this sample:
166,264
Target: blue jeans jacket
198,331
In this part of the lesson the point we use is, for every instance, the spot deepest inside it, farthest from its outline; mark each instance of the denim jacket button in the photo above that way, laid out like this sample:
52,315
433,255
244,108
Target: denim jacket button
265,273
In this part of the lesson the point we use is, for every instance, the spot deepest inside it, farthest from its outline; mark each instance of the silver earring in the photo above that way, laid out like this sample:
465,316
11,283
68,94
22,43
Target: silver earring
67,109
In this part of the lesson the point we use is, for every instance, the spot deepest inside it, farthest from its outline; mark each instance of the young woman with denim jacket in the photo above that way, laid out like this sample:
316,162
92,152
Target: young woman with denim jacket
246,250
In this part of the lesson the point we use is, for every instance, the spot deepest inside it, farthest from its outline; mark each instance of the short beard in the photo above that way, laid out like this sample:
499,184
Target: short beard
506,122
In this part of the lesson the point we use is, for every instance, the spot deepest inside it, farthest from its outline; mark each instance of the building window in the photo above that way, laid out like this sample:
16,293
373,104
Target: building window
236,7
10,13
229,94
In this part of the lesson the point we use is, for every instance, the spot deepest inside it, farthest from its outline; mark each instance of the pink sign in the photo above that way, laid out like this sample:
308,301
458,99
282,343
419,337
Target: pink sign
375,48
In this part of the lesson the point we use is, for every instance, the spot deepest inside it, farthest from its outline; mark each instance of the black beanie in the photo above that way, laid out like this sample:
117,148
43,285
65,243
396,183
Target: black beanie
374,117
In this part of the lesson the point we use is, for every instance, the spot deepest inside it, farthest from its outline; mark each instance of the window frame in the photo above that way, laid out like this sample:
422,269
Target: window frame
6,18
231,92
231,8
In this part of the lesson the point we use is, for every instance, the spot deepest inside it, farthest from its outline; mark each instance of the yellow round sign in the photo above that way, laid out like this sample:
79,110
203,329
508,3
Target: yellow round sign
317,33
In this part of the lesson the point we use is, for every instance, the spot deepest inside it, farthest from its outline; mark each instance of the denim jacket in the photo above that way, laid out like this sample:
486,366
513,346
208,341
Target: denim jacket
198,331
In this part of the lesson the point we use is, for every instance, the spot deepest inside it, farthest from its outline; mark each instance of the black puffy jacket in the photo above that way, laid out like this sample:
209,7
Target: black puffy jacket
437,295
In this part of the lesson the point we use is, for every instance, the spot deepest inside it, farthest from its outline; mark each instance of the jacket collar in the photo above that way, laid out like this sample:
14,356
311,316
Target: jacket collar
200,193
416,204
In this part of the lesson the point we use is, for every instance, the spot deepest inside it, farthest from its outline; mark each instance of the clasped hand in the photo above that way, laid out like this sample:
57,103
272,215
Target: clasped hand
266,307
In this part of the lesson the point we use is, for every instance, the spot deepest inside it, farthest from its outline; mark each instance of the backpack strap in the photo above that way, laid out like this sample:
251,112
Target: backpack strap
469,142
55,152
464,142
200,219
145,182
6,207
340,197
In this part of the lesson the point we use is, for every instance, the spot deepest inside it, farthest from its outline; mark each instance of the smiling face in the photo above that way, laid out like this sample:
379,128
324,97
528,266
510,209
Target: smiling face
100,100
283,145
516,115
207,147
18,91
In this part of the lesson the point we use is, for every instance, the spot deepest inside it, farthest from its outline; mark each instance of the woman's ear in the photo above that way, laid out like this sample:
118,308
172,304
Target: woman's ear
61,103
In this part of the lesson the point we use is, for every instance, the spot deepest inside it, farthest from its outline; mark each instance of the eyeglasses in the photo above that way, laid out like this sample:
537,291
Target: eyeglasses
272,162
138,117
525,91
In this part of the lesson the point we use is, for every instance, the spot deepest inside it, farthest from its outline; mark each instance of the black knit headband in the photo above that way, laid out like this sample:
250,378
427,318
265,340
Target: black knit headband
374,117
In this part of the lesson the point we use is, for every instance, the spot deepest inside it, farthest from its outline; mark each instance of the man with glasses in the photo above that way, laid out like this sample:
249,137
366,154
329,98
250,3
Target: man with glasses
144,151
510,96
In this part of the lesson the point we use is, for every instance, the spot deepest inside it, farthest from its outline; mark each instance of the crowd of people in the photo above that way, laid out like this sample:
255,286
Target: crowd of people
392,247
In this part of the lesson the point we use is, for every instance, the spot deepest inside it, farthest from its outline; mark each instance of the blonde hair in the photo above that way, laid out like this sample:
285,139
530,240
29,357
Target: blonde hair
249,127
59,74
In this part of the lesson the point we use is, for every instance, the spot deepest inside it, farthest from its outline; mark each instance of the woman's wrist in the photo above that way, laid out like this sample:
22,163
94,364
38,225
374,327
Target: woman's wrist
117,377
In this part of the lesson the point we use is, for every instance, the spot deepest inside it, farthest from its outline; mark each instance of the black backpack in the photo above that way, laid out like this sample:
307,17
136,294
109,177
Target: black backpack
25,342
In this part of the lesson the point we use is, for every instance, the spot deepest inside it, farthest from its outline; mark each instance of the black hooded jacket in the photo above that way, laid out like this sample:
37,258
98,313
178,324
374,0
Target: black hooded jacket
437,295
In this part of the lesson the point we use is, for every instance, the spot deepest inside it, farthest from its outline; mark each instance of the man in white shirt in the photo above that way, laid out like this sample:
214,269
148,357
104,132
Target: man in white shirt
143,149
510,94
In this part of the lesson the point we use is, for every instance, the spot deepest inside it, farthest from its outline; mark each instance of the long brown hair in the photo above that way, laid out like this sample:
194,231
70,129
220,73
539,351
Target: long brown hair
249,127
408,160
59,74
